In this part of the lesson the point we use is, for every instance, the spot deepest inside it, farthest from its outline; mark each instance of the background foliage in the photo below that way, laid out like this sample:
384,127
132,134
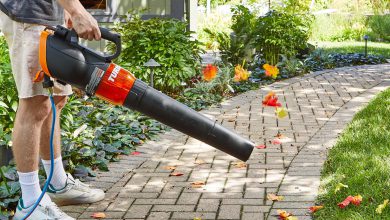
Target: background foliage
165,40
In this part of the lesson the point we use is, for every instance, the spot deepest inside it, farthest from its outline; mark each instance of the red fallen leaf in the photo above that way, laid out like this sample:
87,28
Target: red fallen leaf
271,100
98,215
356,200
176,174
315,208
346,202
262,146
135,153
276,141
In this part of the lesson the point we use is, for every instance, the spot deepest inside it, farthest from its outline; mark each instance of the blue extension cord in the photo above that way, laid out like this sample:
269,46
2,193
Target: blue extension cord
53,107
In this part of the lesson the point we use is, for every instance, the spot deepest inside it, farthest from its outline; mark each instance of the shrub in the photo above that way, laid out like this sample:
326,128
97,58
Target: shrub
380,27
165,40
9,97
281,33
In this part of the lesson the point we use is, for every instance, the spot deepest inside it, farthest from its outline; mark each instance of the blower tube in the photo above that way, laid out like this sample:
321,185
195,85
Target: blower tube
63,58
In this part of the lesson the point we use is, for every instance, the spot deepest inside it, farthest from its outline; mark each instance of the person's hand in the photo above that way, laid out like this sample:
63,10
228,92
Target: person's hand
80,20
68,21
85,25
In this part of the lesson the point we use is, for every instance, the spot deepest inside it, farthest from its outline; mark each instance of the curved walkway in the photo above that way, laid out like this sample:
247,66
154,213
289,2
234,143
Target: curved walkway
319,105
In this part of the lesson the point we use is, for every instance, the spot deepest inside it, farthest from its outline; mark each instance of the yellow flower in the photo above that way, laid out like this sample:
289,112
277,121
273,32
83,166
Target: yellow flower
271,71
240,74
209,72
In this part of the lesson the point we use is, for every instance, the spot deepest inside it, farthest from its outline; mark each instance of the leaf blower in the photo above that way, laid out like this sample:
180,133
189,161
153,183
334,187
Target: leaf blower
64,59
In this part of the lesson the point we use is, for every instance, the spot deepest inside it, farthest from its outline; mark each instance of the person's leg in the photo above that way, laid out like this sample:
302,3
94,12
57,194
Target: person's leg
30,116
59,175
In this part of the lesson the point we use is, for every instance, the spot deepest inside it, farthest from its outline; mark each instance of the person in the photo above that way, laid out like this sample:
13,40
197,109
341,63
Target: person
21,23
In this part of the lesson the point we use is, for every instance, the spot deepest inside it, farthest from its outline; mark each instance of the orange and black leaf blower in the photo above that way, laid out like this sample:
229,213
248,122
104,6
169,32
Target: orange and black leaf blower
64,59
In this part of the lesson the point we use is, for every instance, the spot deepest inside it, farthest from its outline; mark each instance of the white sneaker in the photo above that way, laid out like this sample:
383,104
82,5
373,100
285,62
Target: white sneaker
44,212
74,192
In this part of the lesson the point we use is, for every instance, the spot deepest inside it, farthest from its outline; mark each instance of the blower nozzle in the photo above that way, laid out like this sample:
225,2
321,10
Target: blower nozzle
63,58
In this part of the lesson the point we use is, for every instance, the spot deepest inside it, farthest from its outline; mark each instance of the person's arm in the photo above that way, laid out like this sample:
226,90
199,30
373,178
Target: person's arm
83,23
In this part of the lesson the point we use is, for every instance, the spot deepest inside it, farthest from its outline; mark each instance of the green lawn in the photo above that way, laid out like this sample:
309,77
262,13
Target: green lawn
361,160
355,47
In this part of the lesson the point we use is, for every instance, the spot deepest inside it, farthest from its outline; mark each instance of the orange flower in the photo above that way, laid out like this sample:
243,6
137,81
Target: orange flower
209,72
240,74
271,71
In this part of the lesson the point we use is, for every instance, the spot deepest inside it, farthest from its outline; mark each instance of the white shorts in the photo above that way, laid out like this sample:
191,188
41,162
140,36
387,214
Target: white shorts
23,42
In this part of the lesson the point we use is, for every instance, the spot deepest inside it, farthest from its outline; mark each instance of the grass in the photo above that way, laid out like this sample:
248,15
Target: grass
361,160
374,48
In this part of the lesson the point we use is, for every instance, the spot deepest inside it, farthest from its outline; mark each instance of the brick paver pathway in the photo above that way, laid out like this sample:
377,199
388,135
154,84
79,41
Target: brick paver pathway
319,105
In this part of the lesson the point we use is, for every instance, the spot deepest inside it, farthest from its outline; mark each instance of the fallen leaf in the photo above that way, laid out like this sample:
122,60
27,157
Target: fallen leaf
239,164
196,218
169,168
340,186
281,112
98,215
292,218
199,161
231,120
283,215
346,202
276,141
356,200
271,100
273,197
135,153
280,135
197,184
382,206
176,174
315,208
262,146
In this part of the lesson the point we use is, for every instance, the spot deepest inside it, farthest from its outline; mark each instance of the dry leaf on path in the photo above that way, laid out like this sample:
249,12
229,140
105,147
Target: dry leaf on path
262,146
199,161
169,168
197,184
276,141
273,197
98,215
239,164
135,153
176,174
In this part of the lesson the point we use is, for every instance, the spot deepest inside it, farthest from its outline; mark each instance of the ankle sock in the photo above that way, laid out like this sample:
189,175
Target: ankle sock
59,175
29,183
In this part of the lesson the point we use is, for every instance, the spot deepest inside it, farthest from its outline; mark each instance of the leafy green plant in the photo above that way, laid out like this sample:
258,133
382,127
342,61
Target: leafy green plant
291,66
279,32
380,27
99,133
165,40
9,98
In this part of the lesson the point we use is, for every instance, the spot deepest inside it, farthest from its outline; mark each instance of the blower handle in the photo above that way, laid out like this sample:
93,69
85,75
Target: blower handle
72,37
113,37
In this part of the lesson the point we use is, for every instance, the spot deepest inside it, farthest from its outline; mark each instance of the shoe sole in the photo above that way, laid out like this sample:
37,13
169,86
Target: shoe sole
77,201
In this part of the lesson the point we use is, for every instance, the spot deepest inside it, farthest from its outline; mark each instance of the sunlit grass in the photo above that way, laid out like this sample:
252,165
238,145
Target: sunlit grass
361,160
374,48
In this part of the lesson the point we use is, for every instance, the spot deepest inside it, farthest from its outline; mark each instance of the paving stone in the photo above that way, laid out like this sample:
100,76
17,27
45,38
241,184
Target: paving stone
229,212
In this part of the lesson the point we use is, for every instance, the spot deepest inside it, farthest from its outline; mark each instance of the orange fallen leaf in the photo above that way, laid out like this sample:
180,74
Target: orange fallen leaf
169,168
346,202
262,146
135,153
276,141
199,162
280,135
315,208
239,164
176,174
273,197
283,215
98,215
197,184
356,200
231,120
